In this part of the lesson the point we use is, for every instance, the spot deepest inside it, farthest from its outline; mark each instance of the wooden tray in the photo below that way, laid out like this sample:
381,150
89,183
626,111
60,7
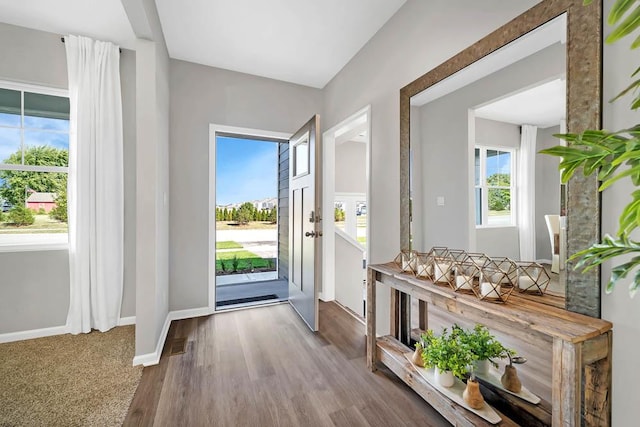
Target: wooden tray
493,378
455,393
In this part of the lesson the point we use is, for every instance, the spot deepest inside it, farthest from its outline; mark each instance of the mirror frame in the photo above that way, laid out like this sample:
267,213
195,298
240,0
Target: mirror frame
584,109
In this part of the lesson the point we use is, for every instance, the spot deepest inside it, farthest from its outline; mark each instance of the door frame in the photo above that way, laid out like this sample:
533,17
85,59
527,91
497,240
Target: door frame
213,130
353,123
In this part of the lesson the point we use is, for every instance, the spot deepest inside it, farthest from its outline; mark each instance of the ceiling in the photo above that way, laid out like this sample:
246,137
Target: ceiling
304,42
543,106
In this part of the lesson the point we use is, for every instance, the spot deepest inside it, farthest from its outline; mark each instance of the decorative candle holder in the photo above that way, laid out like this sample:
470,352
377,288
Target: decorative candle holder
466,275
442,266
457,255
478,259
491,285
532,277
510,269
406,261
424,265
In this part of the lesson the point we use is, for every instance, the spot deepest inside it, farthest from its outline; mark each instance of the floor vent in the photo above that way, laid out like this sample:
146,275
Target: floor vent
247,300
178,346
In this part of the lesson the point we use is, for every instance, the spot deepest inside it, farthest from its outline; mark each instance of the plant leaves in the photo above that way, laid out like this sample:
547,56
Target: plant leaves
627,26
618,10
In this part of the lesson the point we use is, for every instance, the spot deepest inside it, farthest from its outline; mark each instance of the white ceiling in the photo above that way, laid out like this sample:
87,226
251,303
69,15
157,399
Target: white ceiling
543,106
99,19
304,42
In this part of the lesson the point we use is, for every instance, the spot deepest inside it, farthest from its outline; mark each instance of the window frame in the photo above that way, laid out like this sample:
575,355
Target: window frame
484,188
42,90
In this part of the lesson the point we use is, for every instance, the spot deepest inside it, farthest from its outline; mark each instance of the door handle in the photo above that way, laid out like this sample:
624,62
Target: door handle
310,234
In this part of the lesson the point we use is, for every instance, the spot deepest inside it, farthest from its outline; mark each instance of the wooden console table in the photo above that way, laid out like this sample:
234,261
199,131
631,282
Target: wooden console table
581,372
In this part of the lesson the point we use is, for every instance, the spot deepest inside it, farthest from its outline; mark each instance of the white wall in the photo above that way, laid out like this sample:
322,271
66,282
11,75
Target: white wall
34,287
202,95
618,307
351,164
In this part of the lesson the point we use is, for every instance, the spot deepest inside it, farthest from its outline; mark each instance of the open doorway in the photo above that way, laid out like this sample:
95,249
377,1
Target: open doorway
246,248
346,159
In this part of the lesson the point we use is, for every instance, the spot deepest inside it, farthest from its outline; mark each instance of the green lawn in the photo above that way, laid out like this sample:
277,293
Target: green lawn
228,245
252,225
244,258
42,224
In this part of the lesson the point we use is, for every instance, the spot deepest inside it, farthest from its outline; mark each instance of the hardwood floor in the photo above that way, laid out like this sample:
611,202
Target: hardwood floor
263,367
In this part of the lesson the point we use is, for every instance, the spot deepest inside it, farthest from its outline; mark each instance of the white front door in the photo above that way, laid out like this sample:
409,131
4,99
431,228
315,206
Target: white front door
305,232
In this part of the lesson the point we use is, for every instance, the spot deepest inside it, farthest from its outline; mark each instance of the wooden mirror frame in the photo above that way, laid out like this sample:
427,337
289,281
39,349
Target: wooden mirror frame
584,107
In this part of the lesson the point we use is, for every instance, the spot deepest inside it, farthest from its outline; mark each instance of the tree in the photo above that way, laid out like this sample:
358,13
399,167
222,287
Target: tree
245,213
338,215
20,216
272,217
16,184
234,215
499,199
60,211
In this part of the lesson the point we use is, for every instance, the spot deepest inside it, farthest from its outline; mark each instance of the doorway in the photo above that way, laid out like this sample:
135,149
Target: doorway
346,186
247,192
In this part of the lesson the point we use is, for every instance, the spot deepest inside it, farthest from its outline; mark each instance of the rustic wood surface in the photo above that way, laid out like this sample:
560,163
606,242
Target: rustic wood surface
263,367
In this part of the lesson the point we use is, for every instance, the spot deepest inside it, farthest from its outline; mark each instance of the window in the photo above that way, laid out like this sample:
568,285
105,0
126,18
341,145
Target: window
494,186
34,160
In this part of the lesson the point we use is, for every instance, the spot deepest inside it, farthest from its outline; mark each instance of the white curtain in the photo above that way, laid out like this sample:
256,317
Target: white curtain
526,183
95,191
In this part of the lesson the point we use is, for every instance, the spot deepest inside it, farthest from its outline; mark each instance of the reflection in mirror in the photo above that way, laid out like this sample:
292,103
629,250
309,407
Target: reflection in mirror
476,181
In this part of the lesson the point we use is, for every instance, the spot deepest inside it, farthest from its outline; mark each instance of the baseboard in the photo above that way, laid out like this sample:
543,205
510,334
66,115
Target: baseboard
33,333
131,320
154,358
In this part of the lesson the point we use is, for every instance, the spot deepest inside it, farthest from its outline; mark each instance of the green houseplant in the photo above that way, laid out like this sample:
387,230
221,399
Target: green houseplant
484,347
613,155
447,353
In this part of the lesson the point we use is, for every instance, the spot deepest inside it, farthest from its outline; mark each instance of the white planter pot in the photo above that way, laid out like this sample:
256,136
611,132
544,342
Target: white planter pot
481,366
445,379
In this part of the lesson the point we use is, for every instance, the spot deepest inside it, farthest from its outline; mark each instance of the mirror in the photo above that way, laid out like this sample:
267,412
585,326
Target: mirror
470,132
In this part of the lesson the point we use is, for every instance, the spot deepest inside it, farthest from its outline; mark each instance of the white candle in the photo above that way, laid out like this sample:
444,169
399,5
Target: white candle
463,282
525,282
423,269
442,271
487,290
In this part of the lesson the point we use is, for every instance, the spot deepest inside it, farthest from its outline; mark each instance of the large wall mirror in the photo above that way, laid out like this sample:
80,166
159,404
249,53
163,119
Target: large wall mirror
470,132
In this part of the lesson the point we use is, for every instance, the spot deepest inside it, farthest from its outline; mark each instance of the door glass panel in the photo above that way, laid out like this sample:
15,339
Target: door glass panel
301,156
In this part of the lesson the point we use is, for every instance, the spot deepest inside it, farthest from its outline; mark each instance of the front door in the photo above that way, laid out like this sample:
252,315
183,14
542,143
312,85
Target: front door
305,202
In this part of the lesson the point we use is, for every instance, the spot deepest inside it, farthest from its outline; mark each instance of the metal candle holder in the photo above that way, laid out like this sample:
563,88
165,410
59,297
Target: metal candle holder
531,277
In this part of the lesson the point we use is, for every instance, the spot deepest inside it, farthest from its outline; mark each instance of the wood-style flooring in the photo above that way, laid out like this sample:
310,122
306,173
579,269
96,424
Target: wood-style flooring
264,367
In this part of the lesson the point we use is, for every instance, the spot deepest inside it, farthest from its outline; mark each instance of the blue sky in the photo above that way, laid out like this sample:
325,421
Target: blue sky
246,170
37,132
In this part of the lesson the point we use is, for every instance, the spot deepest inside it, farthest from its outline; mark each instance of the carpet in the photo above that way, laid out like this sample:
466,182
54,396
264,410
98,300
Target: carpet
68,380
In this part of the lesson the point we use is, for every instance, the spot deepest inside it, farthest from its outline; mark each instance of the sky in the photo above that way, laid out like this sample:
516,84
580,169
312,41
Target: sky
38,131
246,170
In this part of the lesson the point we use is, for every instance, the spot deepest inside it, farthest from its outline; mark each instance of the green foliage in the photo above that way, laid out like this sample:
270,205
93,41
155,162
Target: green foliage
2,217
448,352
15,184
228,244
245,213
499,199
482,344
59,212
272,216
613,156
338,214
21,216
235,262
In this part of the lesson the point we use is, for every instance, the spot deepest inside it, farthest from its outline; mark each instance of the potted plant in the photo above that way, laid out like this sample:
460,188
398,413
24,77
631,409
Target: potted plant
449,355
425,340
484,347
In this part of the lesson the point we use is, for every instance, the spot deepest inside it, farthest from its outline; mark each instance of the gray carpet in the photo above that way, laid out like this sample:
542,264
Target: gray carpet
68,380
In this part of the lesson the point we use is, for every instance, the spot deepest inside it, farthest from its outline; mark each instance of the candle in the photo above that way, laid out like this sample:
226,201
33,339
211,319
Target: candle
423,269
442,271
487,290
525,282
463,282
408,262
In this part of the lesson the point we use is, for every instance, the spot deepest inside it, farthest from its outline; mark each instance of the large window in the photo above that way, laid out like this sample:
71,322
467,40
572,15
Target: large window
34,160
494,187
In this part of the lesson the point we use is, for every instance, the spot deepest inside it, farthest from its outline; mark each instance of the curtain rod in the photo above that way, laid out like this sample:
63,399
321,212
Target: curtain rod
62,40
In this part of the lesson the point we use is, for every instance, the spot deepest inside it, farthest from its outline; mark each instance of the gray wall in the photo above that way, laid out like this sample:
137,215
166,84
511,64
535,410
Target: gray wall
39,58
446,150
497,241
201,96
547,189
351,167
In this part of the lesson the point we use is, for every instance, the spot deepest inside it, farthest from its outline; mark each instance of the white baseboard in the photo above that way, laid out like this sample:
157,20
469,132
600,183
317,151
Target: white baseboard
154,358
131,320
33,333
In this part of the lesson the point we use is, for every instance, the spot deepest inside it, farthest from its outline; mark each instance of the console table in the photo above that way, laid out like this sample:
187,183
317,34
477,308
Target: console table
581,372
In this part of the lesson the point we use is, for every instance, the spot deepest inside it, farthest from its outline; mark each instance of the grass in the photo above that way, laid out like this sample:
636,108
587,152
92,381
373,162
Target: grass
245,259
42,224
253,225
228,245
